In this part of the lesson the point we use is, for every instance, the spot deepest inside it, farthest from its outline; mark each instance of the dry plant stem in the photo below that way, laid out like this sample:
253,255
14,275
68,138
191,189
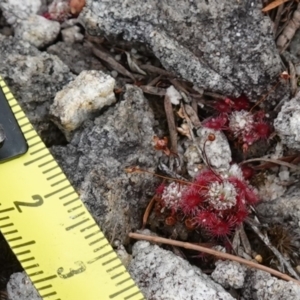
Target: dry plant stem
214,95
245,240
286,36
148,211
156,70
265,96
153,90
192,115
195,106
178,86
267,242
277,19
275,161
111,61
273,5
154,81
171,124
216,253
293,79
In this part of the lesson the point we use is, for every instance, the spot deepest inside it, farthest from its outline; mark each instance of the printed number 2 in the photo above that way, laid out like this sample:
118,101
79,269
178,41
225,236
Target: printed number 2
39,201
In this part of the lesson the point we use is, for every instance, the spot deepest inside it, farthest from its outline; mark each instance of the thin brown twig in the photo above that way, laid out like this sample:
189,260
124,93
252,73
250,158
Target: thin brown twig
111,61
171,123
275,161
156,70
216,253
277,18
148,211
214,95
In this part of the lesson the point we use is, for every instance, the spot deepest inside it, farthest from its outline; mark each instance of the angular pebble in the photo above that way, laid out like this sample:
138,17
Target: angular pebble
87,94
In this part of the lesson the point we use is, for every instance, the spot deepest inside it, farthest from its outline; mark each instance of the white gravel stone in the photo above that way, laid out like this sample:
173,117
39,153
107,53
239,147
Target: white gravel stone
161,275
20,287
287,123
217,152
16,10
229,274
88,93
72,35
37,30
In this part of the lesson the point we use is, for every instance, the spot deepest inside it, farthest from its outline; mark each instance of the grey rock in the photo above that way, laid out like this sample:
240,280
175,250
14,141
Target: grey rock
76,56
20,287
34,78
15,11
215,44
161,275
37,30
217,152
262,286
285,208
229,274
72,34
287,123
81,99
99,152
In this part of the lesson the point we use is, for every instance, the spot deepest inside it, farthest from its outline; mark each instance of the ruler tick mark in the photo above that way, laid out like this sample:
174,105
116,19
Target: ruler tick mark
26,259
78,215
74,208
96,241
36,151
46,163
71,201
4,218
15,239
23,245
53,176
77,224
89,227
110,261
132,295
29,130
69,194
7,209
7,225
31,267
115,267
44,279
57,191
58,182
32,137
19,119
35,273
36,159
34,144
23,252
122,291
49,294
124,280
100,256
100,248
45,287
9,232
117,275
92,234
49,170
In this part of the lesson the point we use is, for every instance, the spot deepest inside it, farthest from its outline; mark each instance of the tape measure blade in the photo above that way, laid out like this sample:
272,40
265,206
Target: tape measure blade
56,240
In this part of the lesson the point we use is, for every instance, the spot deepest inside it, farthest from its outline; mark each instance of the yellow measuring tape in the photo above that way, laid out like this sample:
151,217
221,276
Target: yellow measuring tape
47,226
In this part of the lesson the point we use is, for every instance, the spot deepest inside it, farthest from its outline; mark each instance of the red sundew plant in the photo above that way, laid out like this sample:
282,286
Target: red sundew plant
216,203
236,118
